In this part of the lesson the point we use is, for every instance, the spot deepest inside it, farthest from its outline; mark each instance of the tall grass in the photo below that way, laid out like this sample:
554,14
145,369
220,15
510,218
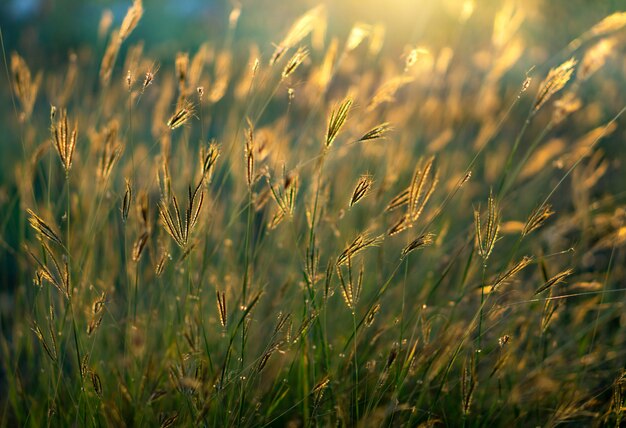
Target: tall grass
335,233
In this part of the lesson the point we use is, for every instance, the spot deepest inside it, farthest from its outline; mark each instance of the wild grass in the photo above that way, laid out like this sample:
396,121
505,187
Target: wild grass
332,232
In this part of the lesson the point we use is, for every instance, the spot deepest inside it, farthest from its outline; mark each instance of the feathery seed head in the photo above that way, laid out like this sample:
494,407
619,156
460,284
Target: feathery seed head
362,188
375,133
65,140
298,58
421,241
556,80
337,119
487,234
134,14
181,116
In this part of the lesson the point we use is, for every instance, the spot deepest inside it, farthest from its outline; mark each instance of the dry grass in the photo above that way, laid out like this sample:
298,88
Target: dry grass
288,235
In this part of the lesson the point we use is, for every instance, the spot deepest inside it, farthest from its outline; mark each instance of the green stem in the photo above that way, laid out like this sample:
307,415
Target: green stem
130,133
506,184
135,293
69,281
482,302
243,303
356,371
509,159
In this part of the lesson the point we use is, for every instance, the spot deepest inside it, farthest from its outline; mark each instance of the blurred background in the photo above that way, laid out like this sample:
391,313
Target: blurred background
45,30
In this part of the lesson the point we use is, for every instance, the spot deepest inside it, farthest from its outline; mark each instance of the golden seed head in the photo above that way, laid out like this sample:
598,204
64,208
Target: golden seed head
556,279
128,197
419,193
139,245
42,228
249,154
421,241
177,224
181,116
556,80
134,14
149,78
511,272
298,58
25,86
208,157
221,307
375,133
537,218
109,58
595,58
350,290
360,243
487,234
298,31
111,150
362,188
64,140
609,24
337,119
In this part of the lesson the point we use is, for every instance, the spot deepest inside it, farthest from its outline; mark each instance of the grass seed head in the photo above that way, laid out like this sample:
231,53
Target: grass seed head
362,188
360,243
298,31
64,139
375,133
180,225
25,86
110,57
487,234
556,80
181,116
421,241
127,200
294,62
556,279
537,218
42,228
139,245
418,193
511,272
149,77
249,155
134,14
338,118
220,297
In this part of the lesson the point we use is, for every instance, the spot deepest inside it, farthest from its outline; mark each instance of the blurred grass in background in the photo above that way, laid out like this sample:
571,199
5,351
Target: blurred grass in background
260,315
46,31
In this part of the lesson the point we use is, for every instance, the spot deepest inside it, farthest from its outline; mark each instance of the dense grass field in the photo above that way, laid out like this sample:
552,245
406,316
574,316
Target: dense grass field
341,225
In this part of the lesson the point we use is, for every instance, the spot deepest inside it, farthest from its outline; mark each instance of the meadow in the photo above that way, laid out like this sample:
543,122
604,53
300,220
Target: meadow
332,227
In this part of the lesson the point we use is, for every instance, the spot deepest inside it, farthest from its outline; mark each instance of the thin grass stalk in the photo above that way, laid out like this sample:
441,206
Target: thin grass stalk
506,184
130,133
483,285
69,285
356,369
509,159
135,297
